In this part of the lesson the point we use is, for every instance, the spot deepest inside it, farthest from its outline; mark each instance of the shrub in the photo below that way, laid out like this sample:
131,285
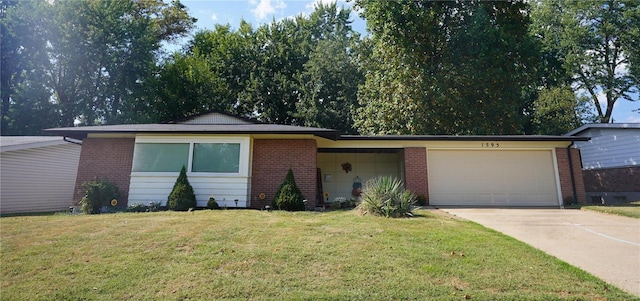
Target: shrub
569,201
137,207
98,193
421,200
182,197
289,197
386,196
212,204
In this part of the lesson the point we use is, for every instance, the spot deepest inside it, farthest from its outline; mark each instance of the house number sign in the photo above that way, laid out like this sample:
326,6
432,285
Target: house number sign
490,144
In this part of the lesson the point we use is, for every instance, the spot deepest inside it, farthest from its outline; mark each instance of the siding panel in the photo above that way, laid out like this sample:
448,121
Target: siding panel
156,188
613,148
39,179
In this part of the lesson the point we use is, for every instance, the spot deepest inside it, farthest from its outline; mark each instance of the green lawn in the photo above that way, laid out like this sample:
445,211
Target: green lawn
259,255
629,210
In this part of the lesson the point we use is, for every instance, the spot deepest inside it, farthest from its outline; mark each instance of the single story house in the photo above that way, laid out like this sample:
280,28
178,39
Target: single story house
232,158
37,174
610,161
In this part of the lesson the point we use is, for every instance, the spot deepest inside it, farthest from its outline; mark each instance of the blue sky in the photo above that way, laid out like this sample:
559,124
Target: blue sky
257,12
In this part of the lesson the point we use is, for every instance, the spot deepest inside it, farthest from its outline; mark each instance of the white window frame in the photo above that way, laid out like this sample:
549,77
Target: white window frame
243,164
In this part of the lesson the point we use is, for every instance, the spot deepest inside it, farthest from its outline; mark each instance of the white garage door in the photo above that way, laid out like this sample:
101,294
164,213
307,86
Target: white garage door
492,178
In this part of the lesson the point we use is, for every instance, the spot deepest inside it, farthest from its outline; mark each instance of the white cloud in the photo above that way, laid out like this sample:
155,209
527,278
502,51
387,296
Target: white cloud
214,17
633,118
311,5
266,7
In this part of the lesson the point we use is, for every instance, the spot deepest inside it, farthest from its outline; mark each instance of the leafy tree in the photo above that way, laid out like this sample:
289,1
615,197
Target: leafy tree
289,197
26,105
443,67
182,197
558,111
597,42
330,77
94,58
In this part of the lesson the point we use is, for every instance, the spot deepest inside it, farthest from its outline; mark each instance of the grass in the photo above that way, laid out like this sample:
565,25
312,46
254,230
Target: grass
260,255
628,210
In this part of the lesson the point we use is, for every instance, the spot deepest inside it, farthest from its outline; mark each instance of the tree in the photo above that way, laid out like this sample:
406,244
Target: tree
557,111
330,77
93,57
597,42
443,67
26,105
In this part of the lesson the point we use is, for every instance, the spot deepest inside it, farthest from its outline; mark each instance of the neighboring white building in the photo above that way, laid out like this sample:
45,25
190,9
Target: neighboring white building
610,161
37,173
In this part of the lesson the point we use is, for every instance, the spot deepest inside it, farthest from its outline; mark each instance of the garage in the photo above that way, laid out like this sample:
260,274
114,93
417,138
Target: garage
492,178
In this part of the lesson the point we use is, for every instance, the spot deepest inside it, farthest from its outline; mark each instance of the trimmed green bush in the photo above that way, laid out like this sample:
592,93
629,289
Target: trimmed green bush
212,204
98,194
289,197
182,197
386,196
421,200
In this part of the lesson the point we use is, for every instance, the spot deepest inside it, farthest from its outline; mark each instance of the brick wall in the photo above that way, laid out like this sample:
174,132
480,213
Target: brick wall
103,158
415,170
272,158
564,172
623,179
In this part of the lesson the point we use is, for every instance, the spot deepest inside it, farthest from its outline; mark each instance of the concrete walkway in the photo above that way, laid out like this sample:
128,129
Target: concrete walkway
606,246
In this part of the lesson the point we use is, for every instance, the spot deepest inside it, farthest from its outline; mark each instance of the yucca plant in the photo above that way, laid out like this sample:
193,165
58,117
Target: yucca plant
386,196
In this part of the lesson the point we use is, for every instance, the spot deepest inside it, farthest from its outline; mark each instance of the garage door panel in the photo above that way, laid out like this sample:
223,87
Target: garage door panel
492,178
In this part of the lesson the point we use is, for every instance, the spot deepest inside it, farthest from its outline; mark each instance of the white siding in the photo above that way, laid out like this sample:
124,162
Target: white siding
364,165
610,148
38,179
145,189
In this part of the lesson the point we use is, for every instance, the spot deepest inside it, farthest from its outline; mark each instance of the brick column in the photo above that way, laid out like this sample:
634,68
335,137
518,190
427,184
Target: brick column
106,159
415,170
564,173
272,158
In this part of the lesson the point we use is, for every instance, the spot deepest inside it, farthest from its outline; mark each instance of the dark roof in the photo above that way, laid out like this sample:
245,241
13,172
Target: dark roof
177,128
464,138
603,126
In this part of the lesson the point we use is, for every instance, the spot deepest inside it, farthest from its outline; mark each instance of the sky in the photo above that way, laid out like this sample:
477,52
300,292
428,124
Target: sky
258,12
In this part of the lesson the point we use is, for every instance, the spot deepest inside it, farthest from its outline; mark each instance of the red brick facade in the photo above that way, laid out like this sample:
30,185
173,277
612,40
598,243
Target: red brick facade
415,171
622,179
272,158
108,159
564,171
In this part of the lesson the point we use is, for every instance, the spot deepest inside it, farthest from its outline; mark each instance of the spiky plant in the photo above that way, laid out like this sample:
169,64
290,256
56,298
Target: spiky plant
386,196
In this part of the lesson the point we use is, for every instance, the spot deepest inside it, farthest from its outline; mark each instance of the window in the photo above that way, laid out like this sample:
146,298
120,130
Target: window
216,157
160,157
203,157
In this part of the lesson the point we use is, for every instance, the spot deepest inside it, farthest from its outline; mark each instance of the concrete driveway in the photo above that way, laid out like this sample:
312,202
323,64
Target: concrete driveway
606,246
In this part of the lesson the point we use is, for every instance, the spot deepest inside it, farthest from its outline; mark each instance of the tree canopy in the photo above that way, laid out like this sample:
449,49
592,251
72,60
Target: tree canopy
426,67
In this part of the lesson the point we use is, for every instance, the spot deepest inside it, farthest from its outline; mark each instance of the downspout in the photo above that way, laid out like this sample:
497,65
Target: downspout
573,178
74,142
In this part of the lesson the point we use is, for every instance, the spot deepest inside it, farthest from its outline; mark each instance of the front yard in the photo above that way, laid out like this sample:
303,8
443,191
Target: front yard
628,210
258,255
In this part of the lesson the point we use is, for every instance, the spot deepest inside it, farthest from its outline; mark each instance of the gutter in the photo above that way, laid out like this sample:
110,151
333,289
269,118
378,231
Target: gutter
573,178
74,142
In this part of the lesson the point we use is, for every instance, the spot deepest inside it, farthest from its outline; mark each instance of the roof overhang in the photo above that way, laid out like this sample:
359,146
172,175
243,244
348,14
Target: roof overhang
525,138
197,129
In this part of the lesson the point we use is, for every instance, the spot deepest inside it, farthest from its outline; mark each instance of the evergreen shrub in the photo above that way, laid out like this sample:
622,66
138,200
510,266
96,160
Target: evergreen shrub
182,197
289,197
